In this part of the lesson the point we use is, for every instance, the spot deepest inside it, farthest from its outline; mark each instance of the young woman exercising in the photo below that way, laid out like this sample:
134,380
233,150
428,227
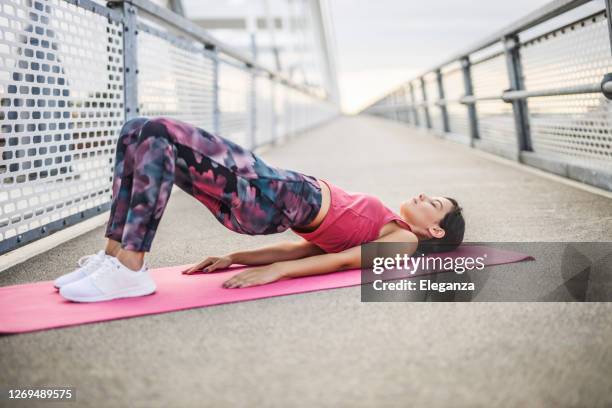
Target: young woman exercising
247,196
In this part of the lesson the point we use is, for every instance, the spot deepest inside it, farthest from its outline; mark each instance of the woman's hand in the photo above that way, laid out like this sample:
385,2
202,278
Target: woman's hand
255,276
210,264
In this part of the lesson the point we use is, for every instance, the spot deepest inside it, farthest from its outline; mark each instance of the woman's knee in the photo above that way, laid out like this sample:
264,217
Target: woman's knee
154,127
130,130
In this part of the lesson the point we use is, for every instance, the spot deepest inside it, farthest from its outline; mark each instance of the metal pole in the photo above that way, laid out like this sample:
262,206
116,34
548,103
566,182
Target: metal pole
425,107
395,110
251,24
406,105
608,17
466,68
519,106
253,98
215,88
273,110
253,109
607,79
443,110
130,61
177,7
415,113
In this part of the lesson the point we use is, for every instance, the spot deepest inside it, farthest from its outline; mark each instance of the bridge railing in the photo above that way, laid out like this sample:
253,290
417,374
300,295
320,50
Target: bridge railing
537,92
73,71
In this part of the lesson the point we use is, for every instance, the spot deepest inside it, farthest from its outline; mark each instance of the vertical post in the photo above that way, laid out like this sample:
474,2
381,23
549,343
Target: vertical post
251,26
608,76
443,110
398,106
415,113
405,105
252,108
425,106
519,106
273,109
177,7
130,61
216,112
466,68
609,18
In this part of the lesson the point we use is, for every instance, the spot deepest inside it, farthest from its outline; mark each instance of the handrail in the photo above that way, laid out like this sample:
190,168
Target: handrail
509,96
546,12
542,14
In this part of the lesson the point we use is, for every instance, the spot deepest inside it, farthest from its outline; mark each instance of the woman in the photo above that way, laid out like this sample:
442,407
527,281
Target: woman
247,196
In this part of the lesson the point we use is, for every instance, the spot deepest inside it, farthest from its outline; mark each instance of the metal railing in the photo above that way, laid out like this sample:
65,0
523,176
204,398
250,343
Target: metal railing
543,101
73,71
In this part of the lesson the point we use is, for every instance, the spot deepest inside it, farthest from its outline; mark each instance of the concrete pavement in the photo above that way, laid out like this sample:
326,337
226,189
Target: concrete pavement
327,348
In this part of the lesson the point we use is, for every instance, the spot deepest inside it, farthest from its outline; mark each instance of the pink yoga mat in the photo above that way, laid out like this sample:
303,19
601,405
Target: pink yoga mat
39,306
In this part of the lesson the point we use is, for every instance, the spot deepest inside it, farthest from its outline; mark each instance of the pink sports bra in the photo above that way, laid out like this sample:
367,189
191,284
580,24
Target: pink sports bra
352,219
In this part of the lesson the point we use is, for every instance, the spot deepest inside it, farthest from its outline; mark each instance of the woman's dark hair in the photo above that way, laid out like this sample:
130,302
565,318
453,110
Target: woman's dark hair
454,227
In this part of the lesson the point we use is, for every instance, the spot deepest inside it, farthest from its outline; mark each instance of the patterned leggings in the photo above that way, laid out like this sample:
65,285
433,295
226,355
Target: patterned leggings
244,193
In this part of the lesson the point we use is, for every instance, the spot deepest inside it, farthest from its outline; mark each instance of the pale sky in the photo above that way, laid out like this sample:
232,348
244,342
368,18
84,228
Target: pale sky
383,43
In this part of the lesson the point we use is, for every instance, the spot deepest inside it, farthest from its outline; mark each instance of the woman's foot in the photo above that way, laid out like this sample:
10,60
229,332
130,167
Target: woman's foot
111,280
131,259
87,265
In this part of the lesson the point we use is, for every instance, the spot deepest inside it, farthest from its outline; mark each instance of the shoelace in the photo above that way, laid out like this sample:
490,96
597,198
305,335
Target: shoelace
105,267
85,259
87,262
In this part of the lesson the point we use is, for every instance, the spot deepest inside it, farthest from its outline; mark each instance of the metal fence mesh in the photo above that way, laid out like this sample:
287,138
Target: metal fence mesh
574,126
61,89
495,118
404,108
280,110
452,81
435,114
175,79
536,92
62,102
417,92
264,110
234,103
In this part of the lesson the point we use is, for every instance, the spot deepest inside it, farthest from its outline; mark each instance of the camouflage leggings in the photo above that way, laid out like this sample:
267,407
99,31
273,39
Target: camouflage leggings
244,193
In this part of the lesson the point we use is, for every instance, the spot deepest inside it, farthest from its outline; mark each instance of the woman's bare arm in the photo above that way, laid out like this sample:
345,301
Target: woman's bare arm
281,251
315,264
347,259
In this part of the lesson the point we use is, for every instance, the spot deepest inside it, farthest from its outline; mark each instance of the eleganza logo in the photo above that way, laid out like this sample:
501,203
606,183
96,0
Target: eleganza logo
493,271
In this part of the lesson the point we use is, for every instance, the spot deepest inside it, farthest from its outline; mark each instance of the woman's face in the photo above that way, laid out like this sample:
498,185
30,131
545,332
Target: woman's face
424,214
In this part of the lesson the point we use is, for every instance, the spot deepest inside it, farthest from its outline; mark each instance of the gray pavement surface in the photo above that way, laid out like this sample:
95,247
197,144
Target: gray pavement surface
327,348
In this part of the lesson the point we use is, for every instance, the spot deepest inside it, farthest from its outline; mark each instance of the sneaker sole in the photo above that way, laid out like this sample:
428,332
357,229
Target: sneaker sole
150,289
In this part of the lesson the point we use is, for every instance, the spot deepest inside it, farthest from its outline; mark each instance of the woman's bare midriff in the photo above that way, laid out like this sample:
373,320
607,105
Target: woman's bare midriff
325,203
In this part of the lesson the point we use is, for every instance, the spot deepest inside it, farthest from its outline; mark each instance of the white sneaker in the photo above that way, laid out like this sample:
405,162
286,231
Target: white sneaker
87,265
112,280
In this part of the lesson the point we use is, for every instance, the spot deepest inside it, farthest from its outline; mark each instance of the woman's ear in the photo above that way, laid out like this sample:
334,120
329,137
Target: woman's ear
436,231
